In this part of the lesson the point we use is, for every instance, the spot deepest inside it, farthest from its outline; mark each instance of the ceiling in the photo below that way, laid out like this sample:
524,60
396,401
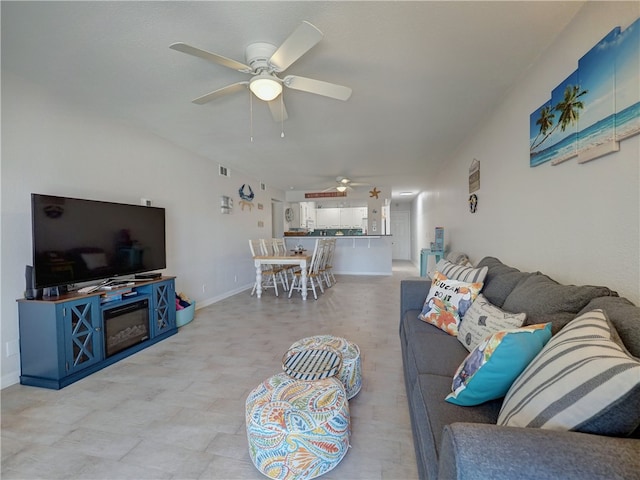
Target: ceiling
423,74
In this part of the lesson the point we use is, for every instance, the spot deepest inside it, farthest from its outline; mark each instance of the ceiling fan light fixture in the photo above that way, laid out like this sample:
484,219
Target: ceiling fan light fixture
341,188
265,87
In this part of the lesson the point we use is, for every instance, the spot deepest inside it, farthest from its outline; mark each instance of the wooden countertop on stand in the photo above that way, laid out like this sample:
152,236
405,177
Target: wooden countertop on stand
75,294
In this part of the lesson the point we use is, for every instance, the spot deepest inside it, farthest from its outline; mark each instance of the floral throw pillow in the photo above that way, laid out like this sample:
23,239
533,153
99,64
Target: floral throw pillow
447,302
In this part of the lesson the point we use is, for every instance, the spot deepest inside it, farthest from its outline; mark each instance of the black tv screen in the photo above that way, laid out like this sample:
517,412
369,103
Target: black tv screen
77,240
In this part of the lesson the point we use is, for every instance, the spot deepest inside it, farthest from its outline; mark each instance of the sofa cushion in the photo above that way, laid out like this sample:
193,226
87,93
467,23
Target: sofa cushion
463,273
482,319
490,369
447,301
624,316
582,381
438,354
430,414
545,300
500,280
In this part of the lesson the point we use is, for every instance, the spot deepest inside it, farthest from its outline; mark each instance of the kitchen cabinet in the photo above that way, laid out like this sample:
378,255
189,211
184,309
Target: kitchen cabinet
328,218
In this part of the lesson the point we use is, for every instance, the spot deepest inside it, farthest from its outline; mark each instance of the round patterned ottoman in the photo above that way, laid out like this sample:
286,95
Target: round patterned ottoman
350,373
297,429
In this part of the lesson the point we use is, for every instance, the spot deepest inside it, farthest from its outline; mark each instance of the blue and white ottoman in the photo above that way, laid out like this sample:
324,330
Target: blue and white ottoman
297,429
350,372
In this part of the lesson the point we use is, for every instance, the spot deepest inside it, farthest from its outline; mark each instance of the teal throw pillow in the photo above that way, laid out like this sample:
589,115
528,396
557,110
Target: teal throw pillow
491,367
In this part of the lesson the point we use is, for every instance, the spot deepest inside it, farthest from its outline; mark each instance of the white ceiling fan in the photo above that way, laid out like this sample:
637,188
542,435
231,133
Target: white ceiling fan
343,184
264,62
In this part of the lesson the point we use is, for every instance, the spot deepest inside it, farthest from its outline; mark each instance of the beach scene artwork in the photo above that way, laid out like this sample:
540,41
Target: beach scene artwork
595,107
628,83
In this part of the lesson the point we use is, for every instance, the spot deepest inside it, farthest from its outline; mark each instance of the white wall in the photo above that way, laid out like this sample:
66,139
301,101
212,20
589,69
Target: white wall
577,223
50,147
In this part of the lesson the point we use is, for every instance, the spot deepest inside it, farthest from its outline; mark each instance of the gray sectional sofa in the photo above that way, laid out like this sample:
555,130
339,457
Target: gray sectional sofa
452,441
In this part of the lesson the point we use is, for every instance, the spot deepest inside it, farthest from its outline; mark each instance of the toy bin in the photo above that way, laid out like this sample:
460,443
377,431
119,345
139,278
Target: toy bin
185,315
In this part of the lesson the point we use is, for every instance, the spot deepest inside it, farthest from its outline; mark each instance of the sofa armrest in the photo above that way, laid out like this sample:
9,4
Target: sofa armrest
413,292
479,451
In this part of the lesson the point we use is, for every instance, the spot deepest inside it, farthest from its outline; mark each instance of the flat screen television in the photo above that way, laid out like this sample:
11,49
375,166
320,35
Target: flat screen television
76,240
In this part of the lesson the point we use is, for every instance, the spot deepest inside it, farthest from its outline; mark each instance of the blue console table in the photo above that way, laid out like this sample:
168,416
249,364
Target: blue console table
425,253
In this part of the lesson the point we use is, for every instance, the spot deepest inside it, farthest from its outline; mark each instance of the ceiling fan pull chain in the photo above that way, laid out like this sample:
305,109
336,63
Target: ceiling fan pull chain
250,116
282,114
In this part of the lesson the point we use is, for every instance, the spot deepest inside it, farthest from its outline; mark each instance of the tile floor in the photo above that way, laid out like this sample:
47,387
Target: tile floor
176,409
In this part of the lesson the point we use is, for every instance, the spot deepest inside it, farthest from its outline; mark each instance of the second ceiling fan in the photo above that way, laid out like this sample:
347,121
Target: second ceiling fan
264,62
343,184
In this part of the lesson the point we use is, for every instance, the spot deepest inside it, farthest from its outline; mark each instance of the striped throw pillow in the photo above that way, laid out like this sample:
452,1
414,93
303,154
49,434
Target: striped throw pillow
582,380
461,273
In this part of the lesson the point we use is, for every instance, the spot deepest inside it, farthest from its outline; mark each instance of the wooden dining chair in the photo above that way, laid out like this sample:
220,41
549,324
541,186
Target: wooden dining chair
269,247
280,248
327,265
313,272
269,274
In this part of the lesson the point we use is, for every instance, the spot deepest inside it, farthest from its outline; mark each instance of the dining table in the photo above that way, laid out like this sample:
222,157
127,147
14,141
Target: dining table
300,259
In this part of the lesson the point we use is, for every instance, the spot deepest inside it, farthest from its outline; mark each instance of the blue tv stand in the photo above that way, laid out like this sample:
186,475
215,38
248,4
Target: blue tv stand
62,339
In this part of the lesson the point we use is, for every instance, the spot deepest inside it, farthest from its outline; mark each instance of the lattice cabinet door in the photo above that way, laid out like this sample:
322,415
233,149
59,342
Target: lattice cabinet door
164,307
83,333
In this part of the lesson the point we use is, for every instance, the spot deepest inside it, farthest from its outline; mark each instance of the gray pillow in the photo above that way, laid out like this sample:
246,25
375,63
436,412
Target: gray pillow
541,298
500,281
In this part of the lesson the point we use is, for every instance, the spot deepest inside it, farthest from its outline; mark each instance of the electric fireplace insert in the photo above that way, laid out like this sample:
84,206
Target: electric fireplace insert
125,326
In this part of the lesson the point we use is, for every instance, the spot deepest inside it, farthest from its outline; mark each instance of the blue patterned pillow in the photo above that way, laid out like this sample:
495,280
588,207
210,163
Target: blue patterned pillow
491,367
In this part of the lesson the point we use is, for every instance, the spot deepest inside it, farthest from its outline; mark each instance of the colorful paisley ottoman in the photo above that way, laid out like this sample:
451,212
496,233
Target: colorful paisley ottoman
350,373
297,429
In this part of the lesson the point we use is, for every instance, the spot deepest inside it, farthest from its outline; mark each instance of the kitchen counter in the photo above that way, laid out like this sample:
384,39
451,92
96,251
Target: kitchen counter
354,254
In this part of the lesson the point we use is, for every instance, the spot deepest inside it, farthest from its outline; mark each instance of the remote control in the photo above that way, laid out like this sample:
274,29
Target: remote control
89,289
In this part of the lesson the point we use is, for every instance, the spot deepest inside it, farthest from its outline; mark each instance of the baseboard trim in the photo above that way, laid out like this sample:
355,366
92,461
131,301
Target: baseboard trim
9,379
210,301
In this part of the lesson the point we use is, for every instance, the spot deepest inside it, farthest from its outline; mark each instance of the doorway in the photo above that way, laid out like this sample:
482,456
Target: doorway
401,231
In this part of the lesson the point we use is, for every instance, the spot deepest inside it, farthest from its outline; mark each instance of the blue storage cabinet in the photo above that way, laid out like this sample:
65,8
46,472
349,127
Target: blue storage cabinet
58,339
163,306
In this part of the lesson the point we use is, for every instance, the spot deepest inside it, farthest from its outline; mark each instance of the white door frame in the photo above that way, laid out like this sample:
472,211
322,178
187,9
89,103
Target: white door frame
401,231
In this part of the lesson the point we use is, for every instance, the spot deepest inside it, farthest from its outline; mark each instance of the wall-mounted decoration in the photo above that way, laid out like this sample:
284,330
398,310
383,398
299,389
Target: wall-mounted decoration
246,198
325,194
595,107
474,176
288,214
226,204
473,203
374,193
260,206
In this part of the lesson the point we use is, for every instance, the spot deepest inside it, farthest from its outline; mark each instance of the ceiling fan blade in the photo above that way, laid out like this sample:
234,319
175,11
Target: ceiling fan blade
213,57
318,87
229,89
303,38
278,110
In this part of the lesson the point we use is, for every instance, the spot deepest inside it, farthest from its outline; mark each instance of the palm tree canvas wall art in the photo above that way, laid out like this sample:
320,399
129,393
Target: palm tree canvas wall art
554,126
628,83
596,124
593,108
